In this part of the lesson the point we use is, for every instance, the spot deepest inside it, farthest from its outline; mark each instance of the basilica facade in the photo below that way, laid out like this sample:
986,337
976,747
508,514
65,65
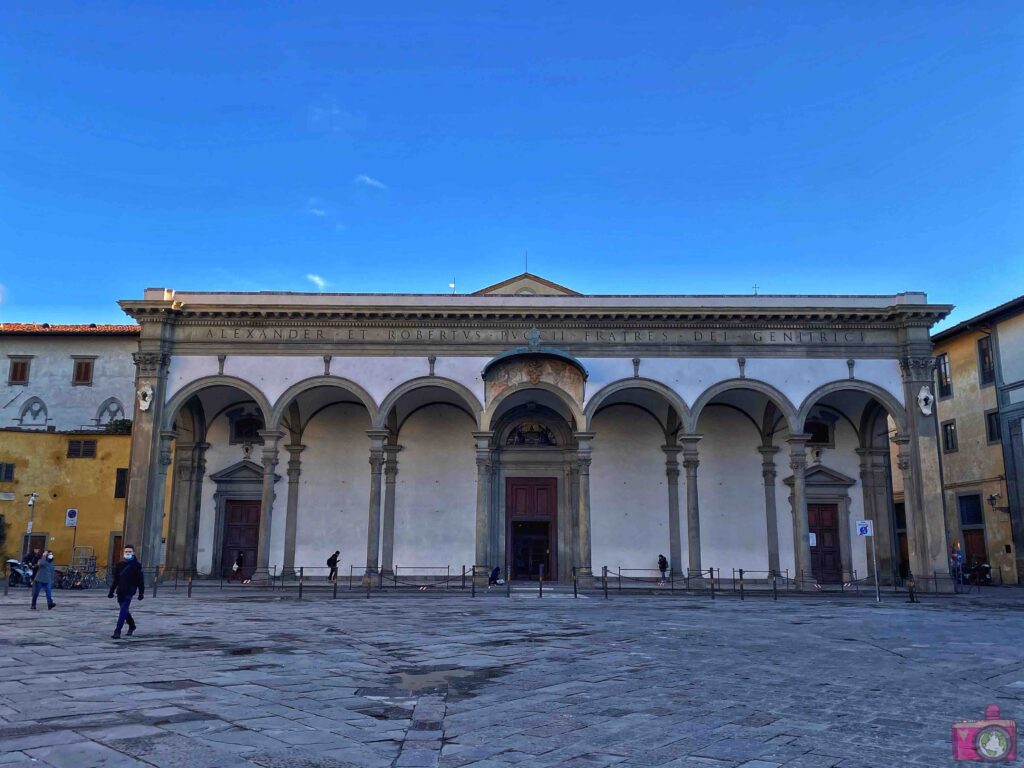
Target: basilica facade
527,426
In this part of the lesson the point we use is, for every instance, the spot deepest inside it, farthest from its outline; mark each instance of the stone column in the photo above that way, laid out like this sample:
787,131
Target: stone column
574,506
377,438
181,498
153,534
291,520
801,529
874,482
675,547
270,440
483,505
387,557
768,474
195,506
925,504
691,460
145,491
583,458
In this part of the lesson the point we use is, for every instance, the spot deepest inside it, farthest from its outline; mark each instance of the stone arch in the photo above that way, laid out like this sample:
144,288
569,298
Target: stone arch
460,391
487,417
885,398
110,409
335,382
195,387
649,385
778,399
34,412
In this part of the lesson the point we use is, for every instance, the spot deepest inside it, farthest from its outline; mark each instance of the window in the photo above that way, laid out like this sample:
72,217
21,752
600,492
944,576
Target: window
82,374
949,437
992,426
18,372
245,427
986,365
899,509
6,473
970,510
820,432
121,484
81,449
945,375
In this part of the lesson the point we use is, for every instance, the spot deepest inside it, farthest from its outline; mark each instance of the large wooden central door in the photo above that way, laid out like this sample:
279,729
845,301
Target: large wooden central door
531,509
826,560
241,534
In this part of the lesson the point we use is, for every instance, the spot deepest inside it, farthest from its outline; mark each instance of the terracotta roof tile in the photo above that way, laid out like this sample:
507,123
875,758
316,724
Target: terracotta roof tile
26,329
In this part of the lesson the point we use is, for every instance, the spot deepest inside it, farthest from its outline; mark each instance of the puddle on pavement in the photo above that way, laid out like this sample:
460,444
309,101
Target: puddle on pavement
429,680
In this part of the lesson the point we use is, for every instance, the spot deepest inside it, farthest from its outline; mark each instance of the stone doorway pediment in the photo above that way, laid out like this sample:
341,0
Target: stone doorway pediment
824,479
244,472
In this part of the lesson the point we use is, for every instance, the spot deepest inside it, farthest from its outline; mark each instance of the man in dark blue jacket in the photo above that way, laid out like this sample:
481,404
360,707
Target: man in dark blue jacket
127,579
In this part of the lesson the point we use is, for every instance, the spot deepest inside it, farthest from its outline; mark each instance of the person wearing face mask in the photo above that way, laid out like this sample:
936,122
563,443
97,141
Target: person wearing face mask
127,579
44,580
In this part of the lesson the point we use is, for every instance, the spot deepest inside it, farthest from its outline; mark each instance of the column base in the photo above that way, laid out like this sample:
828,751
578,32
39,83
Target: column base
481,575
584,572
370,577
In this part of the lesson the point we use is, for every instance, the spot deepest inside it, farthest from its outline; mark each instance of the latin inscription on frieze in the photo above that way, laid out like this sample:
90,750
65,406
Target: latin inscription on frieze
554,337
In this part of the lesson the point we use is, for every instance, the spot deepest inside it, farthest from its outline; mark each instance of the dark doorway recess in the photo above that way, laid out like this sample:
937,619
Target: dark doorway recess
531,508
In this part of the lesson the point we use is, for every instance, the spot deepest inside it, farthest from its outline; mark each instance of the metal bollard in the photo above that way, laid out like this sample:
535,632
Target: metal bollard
380,578
540,582
302,579
604,578
508,582
473,583
775,586
369,580
741,585
351,576
711,581
7,580
156,580
190,586
672,580
463,577
574,593
175,579
334,591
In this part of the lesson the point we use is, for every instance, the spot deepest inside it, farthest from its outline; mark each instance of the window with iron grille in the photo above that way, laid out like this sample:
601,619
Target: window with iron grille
81,449
970,510
6,473
82,373
992,429
986,363
18,371
949,437
121,484
945,375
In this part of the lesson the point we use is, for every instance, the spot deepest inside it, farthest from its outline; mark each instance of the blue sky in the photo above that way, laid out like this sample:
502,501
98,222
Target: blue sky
807,147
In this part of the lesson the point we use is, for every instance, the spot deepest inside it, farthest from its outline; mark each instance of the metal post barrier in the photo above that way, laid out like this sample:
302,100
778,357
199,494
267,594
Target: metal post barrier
369,581
604,578
540,582
733,579
156,580
508,582
175,579
334,591
7,580
473,583
447,575
775,586
620,578
351,576
741,585
672,580
463,577
380,578
574,591
712,582
190,585
302,579
935,575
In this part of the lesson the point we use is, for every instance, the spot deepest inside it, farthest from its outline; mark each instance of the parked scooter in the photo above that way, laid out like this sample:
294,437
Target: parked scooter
979,573
19,573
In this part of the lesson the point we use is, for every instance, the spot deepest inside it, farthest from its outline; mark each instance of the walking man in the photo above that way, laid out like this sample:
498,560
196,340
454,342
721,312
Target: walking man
663,567
44,580
332,563
127,579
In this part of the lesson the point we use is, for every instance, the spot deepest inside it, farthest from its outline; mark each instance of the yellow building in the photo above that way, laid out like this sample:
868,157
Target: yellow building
84,471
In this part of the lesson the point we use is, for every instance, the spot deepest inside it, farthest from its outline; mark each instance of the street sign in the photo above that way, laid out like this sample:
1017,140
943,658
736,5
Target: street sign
813,537
71,518
864,528
29,527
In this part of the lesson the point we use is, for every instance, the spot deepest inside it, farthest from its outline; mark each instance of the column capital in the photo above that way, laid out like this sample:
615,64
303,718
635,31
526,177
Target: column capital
584,439
391,462
295,449
671,451
377,438
917,367
768,451
483,440
270,437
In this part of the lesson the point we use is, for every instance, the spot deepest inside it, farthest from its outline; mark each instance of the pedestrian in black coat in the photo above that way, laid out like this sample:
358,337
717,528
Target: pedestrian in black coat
128,579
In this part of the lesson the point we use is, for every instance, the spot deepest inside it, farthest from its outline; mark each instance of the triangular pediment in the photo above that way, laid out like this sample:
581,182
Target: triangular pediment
526,284
244,471
820,475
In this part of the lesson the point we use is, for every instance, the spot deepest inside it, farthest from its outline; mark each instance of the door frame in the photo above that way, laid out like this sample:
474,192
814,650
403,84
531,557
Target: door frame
552,521
842,573
240,482
223,524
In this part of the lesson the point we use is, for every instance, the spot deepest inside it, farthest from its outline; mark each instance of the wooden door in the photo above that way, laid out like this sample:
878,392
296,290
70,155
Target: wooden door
241,534
974,547
531,509
826,561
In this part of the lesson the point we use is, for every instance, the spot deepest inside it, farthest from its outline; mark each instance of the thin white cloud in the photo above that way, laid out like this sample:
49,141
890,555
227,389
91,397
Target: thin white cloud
330,118
369,181
3,293
315,208
318,281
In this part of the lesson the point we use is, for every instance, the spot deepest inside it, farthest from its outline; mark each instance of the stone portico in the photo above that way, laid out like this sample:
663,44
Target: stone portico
527,425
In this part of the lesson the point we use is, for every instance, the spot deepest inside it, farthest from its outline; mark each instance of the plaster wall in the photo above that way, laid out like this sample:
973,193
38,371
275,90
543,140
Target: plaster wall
435,496
1010,334
334,490
68,407
629,491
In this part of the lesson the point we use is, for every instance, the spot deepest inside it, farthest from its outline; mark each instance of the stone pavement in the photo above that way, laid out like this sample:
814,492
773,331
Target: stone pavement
246,678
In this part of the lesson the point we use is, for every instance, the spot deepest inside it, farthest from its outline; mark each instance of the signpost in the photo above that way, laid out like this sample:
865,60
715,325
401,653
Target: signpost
71,521
866,529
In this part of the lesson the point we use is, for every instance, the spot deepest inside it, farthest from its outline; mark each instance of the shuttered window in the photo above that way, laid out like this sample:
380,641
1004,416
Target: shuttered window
81,449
